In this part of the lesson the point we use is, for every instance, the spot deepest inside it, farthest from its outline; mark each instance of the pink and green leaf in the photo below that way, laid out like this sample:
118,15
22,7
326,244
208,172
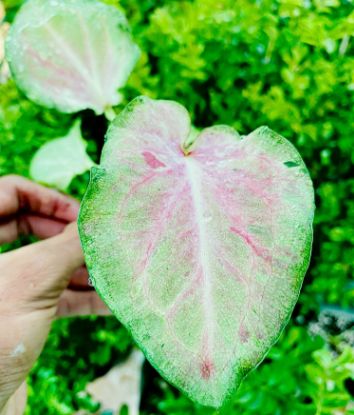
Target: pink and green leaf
198,243
71,54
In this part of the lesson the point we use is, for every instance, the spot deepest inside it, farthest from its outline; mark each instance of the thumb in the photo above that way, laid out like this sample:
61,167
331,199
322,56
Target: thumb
41,271
59,256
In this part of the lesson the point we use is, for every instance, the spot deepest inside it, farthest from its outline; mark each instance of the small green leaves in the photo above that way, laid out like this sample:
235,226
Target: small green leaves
71,54
57,162
197,242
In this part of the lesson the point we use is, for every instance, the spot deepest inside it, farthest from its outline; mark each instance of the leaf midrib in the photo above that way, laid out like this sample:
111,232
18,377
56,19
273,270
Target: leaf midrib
193,173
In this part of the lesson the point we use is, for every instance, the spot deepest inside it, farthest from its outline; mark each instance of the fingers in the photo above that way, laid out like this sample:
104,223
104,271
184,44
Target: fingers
74,303
28,208
8,231
20,194
39,226
79,280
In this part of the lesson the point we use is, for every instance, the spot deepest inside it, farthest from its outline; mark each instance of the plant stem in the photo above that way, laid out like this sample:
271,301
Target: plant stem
110,114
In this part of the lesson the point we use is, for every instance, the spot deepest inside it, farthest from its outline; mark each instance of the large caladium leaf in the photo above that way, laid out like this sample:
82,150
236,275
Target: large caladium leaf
198,243
71,54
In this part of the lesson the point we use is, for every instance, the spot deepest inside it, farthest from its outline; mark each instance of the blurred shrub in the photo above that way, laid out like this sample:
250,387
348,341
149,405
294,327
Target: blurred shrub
285,63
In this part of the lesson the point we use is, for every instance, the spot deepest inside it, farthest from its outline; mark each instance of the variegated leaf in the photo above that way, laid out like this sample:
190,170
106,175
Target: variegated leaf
197,242
71,54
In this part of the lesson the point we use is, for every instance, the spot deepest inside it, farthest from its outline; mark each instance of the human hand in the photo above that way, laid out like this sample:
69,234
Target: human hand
34,278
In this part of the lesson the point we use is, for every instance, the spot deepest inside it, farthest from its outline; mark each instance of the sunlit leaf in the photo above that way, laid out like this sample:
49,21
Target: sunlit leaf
71,54
57,162
198,246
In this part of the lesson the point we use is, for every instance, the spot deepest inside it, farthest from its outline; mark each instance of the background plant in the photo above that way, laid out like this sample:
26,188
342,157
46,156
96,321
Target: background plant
286,64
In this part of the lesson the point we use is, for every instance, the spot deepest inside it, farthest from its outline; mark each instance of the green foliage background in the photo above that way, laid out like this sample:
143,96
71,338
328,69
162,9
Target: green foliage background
288,64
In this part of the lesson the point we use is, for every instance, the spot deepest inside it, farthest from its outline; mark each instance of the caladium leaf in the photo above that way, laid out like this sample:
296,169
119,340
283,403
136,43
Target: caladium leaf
57,162
198,244
71,54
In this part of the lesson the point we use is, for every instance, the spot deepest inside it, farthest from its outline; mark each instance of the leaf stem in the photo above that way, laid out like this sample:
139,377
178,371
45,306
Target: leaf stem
109,113
188,144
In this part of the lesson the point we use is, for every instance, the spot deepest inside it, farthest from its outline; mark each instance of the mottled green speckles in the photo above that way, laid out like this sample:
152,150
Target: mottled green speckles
190,333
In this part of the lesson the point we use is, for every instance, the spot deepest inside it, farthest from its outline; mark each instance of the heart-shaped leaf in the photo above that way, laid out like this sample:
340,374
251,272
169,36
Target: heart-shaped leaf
71,54
198,244
57,162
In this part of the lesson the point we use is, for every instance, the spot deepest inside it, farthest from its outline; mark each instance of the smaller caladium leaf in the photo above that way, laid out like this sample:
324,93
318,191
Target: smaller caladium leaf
71,54
57,162
198,242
